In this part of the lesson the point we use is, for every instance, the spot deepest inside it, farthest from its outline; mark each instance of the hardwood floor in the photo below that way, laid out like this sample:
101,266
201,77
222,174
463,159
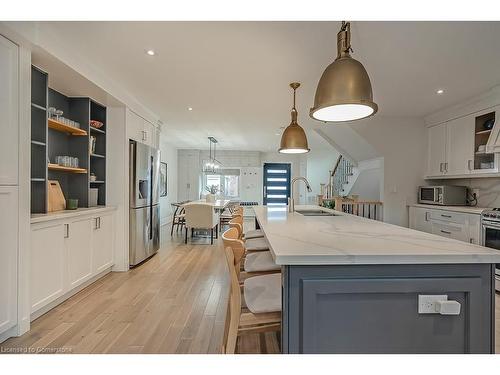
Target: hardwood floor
173,303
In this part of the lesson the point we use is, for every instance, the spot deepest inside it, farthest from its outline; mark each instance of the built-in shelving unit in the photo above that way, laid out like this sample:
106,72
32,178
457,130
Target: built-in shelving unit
482,159
39,198
98,155
51,138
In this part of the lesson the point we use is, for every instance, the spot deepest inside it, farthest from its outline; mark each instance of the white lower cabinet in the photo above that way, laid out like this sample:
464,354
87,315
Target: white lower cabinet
460,226
450,230
102,243
78,243
67,253
48,264
8,256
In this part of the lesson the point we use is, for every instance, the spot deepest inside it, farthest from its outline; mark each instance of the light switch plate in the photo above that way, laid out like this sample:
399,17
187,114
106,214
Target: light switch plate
427,303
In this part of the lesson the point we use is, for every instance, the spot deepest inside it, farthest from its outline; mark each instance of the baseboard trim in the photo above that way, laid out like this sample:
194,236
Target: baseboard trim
11,332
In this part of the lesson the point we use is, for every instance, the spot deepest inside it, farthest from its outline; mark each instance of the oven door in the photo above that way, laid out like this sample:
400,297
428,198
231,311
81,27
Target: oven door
491,238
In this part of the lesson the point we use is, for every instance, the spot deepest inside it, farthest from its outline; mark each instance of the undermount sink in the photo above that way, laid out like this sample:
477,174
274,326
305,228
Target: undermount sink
315,213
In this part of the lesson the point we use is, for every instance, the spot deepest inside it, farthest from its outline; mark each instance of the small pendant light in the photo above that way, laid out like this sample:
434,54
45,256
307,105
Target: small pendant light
294,140
344,91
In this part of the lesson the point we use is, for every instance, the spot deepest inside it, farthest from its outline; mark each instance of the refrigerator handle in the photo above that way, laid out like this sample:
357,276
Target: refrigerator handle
151,184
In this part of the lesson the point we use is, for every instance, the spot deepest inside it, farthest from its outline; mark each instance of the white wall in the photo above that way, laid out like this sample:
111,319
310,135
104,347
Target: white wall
369,184
190,165
319,164
402,142
169,156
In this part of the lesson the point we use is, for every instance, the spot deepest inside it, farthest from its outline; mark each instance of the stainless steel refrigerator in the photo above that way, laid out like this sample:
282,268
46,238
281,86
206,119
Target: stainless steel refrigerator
144,230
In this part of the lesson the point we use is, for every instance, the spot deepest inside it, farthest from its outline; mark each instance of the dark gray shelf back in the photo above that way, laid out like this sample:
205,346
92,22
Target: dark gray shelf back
50,143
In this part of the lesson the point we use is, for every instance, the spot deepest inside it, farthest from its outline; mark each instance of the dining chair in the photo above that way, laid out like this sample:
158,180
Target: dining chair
178,217
228,214
201,215
256,310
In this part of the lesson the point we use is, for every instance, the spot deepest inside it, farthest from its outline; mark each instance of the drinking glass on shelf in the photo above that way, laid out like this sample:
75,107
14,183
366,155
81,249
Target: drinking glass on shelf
52,112
58,113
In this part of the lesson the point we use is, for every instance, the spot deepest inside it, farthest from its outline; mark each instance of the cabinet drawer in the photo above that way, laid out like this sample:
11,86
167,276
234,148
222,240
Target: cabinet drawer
448,216
457,232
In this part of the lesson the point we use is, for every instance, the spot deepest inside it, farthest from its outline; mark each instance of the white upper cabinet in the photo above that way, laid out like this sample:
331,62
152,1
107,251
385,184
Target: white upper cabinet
465,146
437,150
460,146
141,130
9,108
493,144
135,126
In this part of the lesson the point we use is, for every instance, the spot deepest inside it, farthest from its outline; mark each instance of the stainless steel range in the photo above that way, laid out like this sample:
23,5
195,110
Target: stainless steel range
490,235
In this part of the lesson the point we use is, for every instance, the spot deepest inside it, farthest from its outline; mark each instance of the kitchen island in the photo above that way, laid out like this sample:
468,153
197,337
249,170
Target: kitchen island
353,285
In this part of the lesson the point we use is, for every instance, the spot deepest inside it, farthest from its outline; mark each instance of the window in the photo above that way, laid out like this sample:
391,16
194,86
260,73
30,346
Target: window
227,180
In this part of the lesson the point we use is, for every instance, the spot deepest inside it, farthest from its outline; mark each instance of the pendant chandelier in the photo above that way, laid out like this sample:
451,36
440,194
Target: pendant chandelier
212,165
294,140
344,91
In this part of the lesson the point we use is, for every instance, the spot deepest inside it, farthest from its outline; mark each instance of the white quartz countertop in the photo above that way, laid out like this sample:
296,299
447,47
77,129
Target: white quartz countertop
346,239
463,209
66,214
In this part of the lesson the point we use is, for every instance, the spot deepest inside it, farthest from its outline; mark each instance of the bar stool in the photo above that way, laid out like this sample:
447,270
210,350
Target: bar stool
254,261
262,297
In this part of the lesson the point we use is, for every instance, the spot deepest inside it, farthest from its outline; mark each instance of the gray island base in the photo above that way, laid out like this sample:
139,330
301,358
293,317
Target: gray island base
353,285
374,309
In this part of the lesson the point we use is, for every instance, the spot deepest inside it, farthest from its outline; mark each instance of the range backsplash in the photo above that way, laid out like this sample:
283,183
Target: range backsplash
489,189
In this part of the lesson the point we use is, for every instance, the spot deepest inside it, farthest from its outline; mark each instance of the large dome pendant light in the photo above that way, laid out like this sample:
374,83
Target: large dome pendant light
294,140
344,91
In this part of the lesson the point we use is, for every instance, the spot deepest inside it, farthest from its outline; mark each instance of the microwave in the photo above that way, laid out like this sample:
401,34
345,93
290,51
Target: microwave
443,195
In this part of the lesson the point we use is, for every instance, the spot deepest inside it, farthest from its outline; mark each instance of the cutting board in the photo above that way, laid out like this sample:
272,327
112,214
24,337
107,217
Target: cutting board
56,197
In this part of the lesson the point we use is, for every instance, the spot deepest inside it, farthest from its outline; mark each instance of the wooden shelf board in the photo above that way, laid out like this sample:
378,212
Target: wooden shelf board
37,143
98,156
57,167
97,130
38,106
56,125
484,132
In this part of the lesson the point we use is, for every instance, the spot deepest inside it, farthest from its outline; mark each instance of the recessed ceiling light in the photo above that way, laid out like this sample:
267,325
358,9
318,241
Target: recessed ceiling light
190,108
440,91
150,52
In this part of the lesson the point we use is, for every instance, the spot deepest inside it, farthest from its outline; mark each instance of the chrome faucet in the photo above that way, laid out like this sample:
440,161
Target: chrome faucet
291,202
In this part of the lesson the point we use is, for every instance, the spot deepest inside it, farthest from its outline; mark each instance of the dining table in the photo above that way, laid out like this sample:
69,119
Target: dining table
219,204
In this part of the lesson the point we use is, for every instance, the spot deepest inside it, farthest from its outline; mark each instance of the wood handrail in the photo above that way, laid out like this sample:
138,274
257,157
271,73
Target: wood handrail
336,165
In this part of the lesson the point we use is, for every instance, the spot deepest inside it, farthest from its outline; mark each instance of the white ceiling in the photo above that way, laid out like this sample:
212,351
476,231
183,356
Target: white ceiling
235,75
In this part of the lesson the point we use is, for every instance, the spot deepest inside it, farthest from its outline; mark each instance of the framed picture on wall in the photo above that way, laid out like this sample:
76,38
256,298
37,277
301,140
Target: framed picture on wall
163,179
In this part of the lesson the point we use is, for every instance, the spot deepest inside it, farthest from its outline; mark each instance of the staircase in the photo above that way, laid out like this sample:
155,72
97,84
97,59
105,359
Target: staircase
342,178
